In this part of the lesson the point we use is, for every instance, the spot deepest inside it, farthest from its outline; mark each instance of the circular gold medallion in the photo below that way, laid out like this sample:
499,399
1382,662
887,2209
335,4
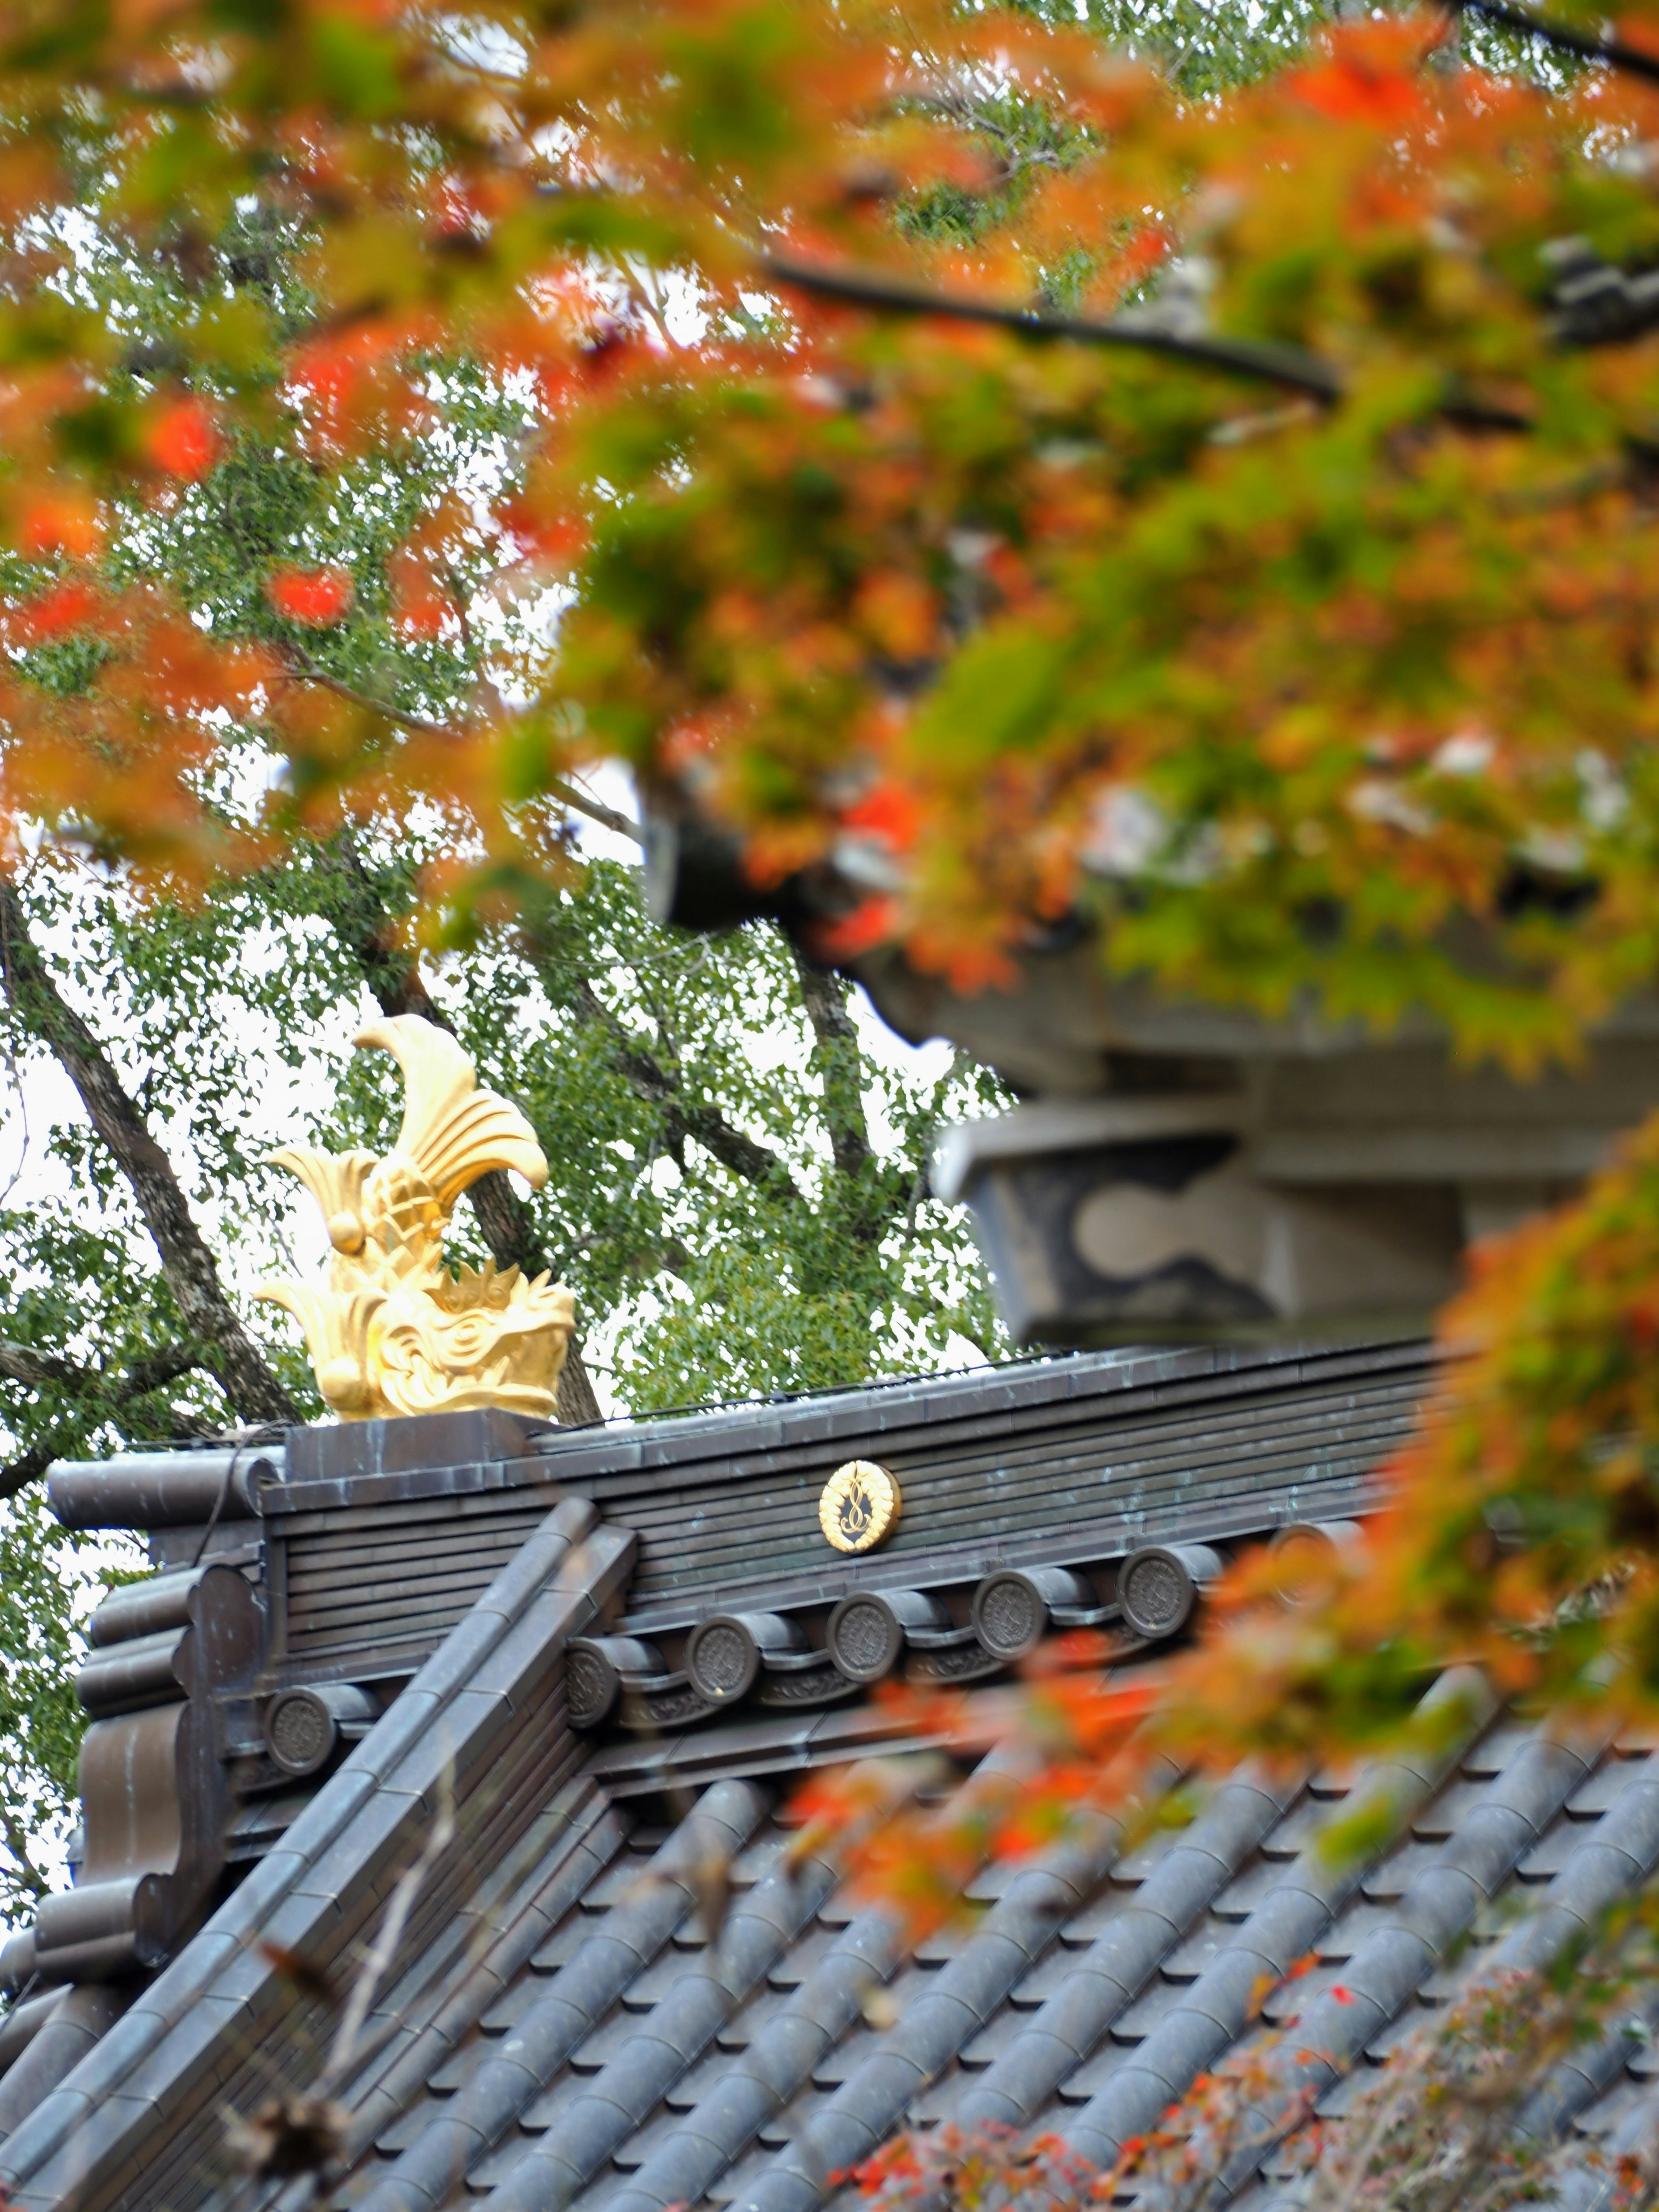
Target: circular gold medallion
858,1505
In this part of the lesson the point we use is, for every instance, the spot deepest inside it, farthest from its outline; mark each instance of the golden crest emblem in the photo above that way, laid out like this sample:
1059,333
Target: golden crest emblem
858,1505
390,1330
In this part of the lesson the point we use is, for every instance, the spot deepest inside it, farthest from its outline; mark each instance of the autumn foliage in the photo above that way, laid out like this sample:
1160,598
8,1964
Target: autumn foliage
1521,1531
1356,605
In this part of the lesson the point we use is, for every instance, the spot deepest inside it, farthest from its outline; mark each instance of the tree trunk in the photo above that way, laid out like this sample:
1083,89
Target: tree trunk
254,1393
841,1062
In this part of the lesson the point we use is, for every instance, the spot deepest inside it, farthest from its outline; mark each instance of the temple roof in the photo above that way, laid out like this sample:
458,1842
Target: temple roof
616,1975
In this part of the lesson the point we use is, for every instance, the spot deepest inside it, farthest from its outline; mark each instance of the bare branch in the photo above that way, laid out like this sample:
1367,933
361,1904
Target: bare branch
373,1970
419,725
567,794
1016,158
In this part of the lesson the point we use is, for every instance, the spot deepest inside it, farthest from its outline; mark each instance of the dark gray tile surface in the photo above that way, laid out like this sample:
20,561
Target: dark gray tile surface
588,2013
750,2115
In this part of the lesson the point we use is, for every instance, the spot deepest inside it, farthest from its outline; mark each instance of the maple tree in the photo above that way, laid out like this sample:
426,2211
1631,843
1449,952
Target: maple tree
909,580
931,429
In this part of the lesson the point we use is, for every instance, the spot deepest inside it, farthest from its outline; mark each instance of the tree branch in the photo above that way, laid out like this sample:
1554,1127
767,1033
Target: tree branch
1614,51
40,1370
925,1145
364,925
841,1065
154,1371
254,1393
29,1466
873,287
16,1842
562,788
36,1371
754,1163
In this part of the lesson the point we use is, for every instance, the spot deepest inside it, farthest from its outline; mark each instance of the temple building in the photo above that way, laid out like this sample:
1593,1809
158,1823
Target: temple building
439,1847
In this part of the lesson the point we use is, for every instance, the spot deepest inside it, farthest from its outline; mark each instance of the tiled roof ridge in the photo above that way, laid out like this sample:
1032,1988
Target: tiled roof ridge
922,1400
357,1829
870,2104
574,2002
1282,1927
183,1483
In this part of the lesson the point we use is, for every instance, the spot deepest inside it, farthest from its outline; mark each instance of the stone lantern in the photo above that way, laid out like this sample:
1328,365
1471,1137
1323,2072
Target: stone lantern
1186,1171
1189,1172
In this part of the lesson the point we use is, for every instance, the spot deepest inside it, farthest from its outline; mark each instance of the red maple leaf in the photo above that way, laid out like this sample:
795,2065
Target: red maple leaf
184,440
316,596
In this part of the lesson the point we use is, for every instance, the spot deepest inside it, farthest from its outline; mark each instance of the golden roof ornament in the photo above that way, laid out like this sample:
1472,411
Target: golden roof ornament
389,1328
859,1506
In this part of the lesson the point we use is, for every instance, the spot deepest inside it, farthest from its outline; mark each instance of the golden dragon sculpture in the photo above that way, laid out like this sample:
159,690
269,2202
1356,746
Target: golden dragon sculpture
390,1330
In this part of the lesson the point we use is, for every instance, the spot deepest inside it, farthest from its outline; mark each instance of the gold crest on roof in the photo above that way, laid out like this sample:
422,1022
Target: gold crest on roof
858,1505
389,1328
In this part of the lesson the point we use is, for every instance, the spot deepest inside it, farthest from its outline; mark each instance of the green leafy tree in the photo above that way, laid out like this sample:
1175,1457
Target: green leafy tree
43,1581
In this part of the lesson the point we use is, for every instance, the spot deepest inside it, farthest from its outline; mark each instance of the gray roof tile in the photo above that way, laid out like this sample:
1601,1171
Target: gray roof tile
1242,1894
542,2112
1490,1754
154,2077
601,2055
991,2040
562,1945
1603,1790
1549,1855
1084,1928
1047,1976
804,1957
1188,1960
1393,1874
1136,2021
